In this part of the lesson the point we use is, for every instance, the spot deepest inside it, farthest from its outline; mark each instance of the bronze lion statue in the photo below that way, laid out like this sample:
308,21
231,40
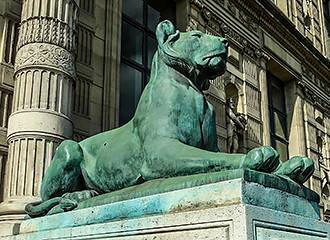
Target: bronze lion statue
173,132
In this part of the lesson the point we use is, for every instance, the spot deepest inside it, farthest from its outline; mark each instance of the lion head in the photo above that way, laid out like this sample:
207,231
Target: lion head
197,55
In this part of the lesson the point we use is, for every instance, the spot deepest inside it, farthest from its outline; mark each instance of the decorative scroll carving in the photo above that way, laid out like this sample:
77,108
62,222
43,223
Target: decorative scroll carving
248,21
197,3
45,54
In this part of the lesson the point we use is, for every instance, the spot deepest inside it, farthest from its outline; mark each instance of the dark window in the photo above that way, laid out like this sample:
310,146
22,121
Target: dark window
11,42
278,117
140,19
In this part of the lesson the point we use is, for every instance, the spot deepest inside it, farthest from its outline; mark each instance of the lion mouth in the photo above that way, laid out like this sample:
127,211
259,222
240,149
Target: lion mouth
223,55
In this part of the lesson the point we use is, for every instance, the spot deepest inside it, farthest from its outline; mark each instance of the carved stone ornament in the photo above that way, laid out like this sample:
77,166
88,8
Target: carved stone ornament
313,97
47,30
45,54
192,25
198,3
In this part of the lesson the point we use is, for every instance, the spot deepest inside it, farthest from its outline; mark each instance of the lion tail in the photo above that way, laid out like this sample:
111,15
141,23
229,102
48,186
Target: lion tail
41,208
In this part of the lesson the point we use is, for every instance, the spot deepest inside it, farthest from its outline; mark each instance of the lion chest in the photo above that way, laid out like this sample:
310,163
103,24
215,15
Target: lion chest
191,116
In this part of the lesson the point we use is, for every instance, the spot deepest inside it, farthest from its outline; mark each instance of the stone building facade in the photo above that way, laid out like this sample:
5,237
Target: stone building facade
71,69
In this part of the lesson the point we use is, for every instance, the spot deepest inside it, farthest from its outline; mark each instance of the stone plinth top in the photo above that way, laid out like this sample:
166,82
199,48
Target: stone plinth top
171,184
188,193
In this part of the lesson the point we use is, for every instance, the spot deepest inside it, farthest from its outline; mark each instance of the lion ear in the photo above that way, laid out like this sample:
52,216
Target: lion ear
164,30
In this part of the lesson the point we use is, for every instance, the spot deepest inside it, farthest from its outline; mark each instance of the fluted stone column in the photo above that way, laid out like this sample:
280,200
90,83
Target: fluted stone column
44,75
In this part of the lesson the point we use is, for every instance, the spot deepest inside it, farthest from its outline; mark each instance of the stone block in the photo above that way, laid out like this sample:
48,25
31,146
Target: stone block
238,204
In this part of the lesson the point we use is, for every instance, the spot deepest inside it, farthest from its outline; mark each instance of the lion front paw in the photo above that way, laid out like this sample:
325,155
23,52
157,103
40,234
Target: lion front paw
299,169
264,159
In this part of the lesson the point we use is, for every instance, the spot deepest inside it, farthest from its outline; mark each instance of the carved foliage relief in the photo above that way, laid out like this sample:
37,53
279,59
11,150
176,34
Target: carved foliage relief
45,54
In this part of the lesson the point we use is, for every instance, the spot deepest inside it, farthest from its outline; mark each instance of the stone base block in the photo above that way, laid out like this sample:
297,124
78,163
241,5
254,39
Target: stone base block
236,222
245,208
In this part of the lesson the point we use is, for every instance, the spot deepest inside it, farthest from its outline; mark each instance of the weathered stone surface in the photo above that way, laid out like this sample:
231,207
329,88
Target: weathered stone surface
171,184
238,209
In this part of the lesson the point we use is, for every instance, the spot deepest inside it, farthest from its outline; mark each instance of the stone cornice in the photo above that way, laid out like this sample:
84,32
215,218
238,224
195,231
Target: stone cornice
314,98
262,13
285,32
315,84
219,26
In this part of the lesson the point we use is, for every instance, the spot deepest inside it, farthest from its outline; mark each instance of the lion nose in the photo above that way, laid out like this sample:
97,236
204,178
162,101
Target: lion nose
225,42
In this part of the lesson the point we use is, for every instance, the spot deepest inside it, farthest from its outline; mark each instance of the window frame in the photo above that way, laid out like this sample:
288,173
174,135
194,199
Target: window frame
274,81
147,33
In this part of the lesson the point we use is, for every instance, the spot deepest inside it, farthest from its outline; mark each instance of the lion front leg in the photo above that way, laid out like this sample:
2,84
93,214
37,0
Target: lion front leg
171,157
298,169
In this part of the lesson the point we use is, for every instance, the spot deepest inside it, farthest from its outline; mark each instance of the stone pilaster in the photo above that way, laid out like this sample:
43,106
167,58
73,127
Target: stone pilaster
110,116
44,75
296,125
264,101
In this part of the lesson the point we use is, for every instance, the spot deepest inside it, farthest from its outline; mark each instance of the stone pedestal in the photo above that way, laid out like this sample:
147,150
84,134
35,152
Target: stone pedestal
238,205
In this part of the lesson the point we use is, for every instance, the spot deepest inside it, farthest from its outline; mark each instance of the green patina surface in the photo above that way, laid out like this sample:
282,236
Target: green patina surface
172,134
171,184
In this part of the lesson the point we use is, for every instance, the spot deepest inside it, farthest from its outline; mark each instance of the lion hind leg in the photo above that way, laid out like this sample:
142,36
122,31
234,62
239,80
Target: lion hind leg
64,173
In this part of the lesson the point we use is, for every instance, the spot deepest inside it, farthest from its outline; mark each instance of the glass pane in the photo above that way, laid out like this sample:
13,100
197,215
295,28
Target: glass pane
134,9
277,96
280,125
130,92
153,18
282,149
152,47
132,43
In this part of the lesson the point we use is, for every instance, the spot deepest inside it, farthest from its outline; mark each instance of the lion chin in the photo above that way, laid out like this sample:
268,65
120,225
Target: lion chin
173,132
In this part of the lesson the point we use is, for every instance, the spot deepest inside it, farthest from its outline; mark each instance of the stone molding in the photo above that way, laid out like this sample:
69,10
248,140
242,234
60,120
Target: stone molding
262,13
48,55
313,97
316,80
217,25
33,122
287,34
46,30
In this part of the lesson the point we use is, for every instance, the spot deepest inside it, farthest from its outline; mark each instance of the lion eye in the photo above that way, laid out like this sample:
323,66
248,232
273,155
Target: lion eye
197,35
